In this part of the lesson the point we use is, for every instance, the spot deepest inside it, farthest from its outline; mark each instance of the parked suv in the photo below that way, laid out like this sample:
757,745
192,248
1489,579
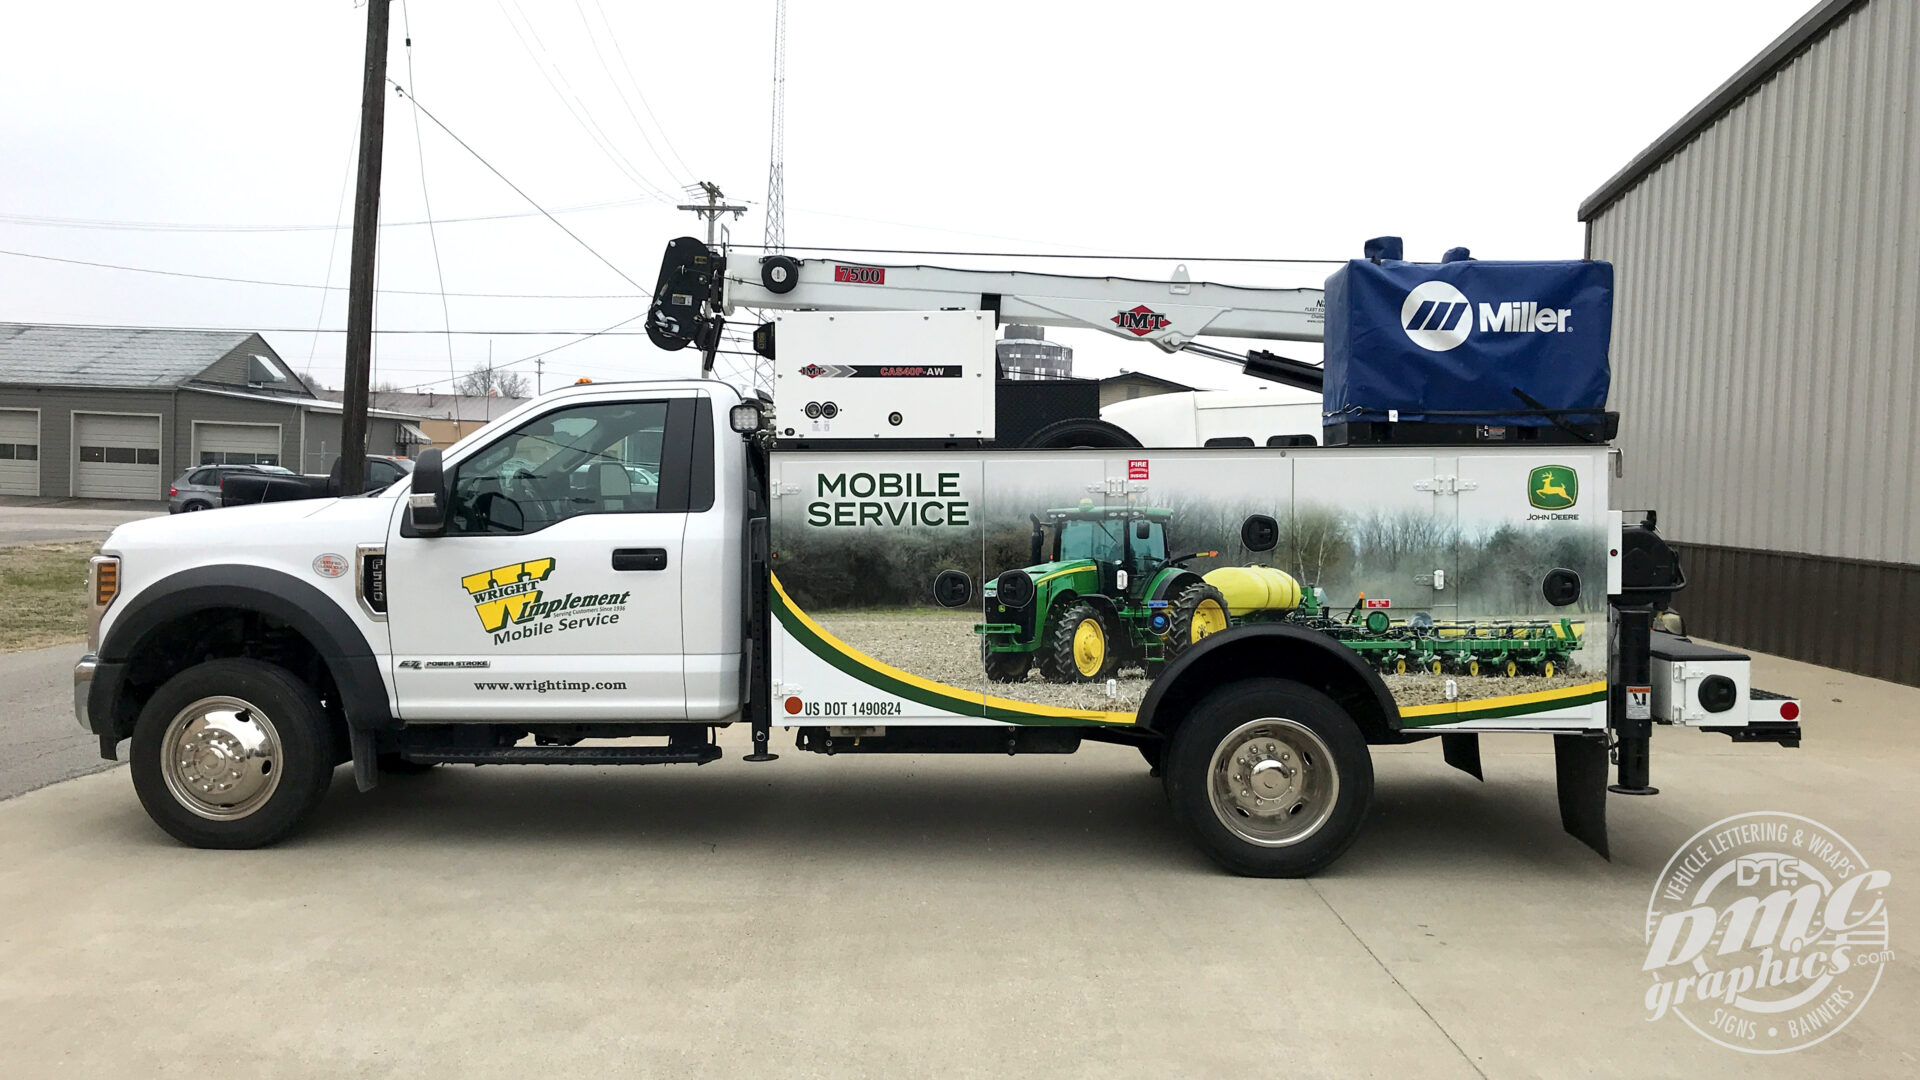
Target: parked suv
199,488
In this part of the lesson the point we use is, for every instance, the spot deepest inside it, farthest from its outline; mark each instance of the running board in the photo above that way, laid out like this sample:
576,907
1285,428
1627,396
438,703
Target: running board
698,754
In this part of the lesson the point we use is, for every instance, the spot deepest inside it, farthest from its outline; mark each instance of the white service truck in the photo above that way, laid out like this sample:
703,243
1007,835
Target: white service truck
612,572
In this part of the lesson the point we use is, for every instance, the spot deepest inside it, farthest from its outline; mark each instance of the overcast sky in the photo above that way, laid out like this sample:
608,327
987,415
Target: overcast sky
1271,129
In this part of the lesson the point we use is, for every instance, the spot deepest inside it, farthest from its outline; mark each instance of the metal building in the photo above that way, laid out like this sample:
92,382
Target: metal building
1025,353
118,413
1767,257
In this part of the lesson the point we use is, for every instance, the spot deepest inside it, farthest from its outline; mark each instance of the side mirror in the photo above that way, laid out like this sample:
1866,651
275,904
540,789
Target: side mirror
427,501
1142,530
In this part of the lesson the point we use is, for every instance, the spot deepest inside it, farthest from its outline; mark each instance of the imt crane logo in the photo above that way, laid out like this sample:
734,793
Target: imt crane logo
1766,933
1141,320
503,594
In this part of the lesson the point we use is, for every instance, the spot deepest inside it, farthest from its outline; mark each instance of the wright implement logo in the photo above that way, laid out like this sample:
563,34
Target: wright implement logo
1141,320
503,594
1553,487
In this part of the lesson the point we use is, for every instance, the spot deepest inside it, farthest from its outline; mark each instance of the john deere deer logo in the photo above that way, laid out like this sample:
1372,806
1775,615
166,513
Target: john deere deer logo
503,594
1553,487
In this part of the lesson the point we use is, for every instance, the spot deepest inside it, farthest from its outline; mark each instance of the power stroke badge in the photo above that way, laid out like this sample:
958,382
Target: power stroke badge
1767,932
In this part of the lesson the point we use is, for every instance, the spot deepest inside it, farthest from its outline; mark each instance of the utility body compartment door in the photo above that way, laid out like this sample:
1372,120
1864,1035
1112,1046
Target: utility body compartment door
556,593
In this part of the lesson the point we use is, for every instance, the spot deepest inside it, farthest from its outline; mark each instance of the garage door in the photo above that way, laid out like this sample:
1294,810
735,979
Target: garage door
19,452
236,444
116,457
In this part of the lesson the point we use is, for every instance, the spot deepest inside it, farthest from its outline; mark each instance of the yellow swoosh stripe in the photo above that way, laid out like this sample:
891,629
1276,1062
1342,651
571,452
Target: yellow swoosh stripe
1538,697
929,685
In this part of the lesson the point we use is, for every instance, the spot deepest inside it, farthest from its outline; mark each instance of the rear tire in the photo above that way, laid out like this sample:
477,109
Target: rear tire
232,754
1200,611
1272,778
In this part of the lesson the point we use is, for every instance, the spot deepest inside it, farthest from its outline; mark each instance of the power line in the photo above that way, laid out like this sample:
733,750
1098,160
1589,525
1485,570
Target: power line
426,201
588,336
428,113
614,36
1043,255
582,115
333,246
334,329
309,285
207,227
594,40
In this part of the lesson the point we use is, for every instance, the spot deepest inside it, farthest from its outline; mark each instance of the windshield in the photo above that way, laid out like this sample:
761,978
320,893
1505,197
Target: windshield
1096,540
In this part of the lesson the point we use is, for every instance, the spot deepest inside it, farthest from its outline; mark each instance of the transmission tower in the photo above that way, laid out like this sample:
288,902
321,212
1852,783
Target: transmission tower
776,238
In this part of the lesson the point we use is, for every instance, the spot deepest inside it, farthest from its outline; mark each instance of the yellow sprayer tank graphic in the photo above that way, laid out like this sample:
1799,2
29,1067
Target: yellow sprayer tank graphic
1255,588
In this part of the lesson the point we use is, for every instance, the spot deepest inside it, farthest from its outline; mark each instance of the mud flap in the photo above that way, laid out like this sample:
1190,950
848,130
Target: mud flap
1463,753
1580,771
366,759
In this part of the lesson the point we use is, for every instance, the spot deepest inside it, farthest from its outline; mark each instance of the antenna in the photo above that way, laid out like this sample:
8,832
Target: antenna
776,235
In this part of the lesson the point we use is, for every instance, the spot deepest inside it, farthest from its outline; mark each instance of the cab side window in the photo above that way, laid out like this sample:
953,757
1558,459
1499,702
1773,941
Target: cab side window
590,459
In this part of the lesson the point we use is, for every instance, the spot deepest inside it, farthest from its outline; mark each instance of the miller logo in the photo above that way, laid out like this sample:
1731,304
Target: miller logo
503,594
1553,487
1141,320
1438,317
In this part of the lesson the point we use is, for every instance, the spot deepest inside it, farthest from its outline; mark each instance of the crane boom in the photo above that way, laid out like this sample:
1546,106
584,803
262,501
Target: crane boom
699,287
1168,314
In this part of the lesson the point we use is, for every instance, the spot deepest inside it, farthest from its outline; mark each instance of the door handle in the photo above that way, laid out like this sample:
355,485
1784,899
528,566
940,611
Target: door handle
639,558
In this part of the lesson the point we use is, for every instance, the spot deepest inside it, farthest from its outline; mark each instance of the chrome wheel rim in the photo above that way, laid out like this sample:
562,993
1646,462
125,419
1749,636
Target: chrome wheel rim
220,758
1272,782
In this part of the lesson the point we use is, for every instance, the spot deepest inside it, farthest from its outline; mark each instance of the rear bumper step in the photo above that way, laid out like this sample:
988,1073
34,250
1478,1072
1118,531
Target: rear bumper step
566,755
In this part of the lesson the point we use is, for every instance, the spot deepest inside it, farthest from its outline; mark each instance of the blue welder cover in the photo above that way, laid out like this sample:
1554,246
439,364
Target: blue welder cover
1450,342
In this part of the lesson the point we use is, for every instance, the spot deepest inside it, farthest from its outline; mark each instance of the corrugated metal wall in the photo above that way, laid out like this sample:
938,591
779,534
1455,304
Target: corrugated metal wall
1768,310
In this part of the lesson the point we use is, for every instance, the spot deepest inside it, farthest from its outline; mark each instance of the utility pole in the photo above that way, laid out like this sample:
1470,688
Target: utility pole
366,233
539,369
715,205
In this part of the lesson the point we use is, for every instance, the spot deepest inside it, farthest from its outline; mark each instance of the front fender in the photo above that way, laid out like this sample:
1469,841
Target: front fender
279,596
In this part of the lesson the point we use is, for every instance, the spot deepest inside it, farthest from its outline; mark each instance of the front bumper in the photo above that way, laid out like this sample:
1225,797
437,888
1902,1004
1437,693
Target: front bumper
82,687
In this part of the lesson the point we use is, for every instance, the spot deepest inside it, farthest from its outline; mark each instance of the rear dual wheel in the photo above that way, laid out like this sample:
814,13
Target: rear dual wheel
1271,776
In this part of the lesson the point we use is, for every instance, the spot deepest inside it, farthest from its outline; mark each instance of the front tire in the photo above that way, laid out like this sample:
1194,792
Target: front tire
1079,645
1006,667
1272,778
231,754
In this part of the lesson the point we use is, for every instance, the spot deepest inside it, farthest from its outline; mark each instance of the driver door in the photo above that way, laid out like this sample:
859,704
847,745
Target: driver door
555,593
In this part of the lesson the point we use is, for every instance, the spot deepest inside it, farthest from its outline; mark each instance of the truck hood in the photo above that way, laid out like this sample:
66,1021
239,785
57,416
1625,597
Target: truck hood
363,520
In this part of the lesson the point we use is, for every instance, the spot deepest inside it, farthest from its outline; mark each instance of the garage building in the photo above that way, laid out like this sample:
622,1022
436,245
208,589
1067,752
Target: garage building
1765,364
104,413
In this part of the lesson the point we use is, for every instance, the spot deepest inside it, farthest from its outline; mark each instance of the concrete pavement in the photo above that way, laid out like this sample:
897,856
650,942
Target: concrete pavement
36,716
27,521
906,916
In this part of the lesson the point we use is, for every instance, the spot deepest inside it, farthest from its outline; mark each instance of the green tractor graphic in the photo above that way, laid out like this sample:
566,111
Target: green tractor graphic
1101,593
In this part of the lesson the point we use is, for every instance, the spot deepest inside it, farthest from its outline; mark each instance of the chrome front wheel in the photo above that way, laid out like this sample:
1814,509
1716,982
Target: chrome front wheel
222,758
233,753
